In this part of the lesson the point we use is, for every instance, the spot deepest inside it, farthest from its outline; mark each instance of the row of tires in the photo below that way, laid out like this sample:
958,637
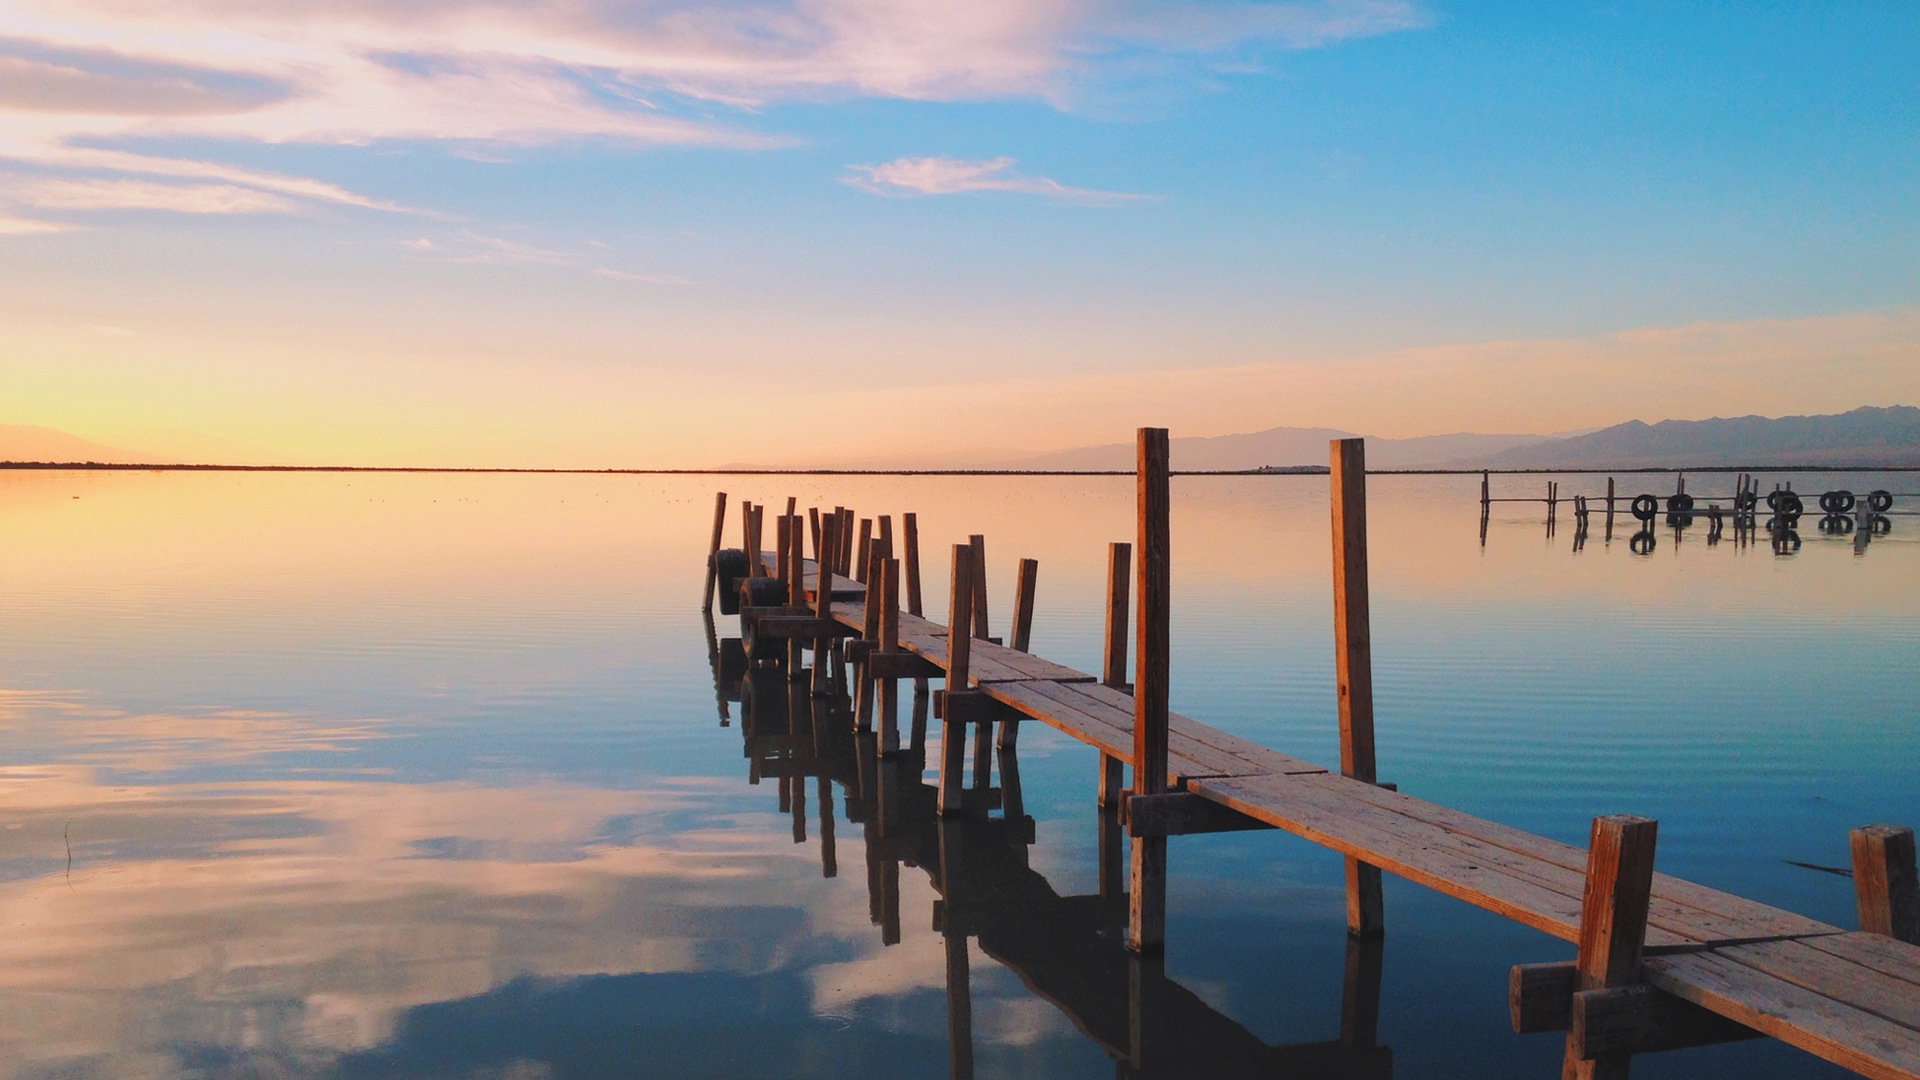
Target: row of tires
1783,503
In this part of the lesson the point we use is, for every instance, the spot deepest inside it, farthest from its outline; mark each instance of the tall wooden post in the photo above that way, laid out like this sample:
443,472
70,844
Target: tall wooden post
860,550
1022,635
1609,508
910,529
1147,914
823,605
980,625
781,545
1613,928
713,548
1113,666
953,729
796,588
1884,881
813,515
1353,660
889,643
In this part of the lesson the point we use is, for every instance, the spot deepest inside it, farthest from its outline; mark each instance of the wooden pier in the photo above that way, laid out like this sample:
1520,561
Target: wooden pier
1661,963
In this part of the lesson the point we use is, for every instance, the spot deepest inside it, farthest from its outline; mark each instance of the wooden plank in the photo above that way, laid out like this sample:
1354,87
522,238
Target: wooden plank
1834,976
1841,1033
1873,951
1182,813
1413,857
1113,665
1884,882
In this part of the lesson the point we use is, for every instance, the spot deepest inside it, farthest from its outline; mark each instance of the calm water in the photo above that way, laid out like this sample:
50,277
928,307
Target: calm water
380,776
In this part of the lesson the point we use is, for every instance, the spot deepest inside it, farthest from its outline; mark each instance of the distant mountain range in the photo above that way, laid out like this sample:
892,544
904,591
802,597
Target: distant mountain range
25,442
1866,436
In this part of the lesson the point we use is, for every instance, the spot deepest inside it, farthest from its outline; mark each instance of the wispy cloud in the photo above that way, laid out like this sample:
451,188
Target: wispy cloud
104,87
952,176
146,195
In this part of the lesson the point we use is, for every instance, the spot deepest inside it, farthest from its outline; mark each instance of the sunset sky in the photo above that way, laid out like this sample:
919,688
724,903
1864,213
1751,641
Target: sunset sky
690,233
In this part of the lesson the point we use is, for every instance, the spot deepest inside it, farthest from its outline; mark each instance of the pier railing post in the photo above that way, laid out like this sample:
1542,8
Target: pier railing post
1884,881
910,530
953,729
1353,661
1147,900
713,548
1113,666
980,627
1613,930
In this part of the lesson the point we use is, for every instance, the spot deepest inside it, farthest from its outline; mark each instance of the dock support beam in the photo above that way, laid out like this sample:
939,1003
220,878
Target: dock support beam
1353,661
1884,881
1147,907
1113,665
1613,931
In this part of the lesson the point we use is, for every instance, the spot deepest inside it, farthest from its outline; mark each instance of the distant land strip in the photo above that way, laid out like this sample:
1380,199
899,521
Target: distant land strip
1271,470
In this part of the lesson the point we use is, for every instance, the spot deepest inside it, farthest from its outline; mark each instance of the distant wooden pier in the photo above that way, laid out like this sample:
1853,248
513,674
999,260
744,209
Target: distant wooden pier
1661,963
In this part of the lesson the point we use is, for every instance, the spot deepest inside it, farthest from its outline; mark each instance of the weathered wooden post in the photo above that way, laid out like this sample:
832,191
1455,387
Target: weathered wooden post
981,629
910,529
1609,508
860,566
823,605
889,643
953,729
1613,930
1353,661
781,532
1113,667
846,541
813,514
713,548
1021,636
1147,906
1884,882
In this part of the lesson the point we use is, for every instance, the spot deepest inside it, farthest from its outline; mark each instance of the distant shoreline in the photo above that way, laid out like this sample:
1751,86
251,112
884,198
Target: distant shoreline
1296,470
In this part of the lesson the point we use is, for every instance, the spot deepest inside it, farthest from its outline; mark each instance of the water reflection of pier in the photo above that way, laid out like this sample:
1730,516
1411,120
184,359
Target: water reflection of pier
1070,951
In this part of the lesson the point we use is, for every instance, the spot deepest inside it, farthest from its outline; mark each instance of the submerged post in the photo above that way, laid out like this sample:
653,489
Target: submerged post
713,547
1147,907
1353,660
1613,930
1884,882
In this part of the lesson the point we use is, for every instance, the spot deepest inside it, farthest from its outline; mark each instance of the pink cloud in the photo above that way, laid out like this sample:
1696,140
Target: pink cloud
952,176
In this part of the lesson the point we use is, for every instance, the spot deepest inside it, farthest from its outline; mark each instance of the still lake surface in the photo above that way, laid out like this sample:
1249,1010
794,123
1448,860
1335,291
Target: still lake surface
426,775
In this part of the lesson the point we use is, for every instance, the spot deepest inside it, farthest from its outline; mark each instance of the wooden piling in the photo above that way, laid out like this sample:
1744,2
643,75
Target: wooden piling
1609,507
782,527
953,730
1486,494
713,548
980,625
813,514
862,551
1113,667
823,604
746,533
1147,897
1613,928
889,643
1021,637
846,541
910,532
1353,661
1884,881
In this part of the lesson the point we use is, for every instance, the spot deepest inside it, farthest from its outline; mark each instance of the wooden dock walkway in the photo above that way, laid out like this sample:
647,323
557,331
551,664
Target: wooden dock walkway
1662,963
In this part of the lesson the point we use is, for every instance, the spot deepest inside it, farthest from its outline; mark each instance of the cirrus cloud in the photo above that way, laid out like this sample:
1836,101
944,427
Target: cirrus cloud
84,79
952,176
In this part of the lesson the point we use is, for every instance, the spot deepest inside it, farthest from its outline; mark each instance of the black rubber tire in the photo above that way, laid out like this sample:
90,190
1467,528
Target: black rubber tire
1745,502
1788,505
1836,524
1881,526
1643,542
1836,502
1773,500
1645,507
1880,500
1679,503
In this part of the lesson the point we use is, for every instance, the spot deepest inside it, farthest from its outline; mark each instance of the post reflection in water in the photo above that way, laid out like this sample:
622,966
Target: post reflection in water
1068,950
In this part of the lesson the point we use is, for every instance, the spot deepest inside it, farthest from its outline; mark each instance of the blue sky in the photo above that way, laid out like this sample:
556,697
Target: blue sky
481,232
